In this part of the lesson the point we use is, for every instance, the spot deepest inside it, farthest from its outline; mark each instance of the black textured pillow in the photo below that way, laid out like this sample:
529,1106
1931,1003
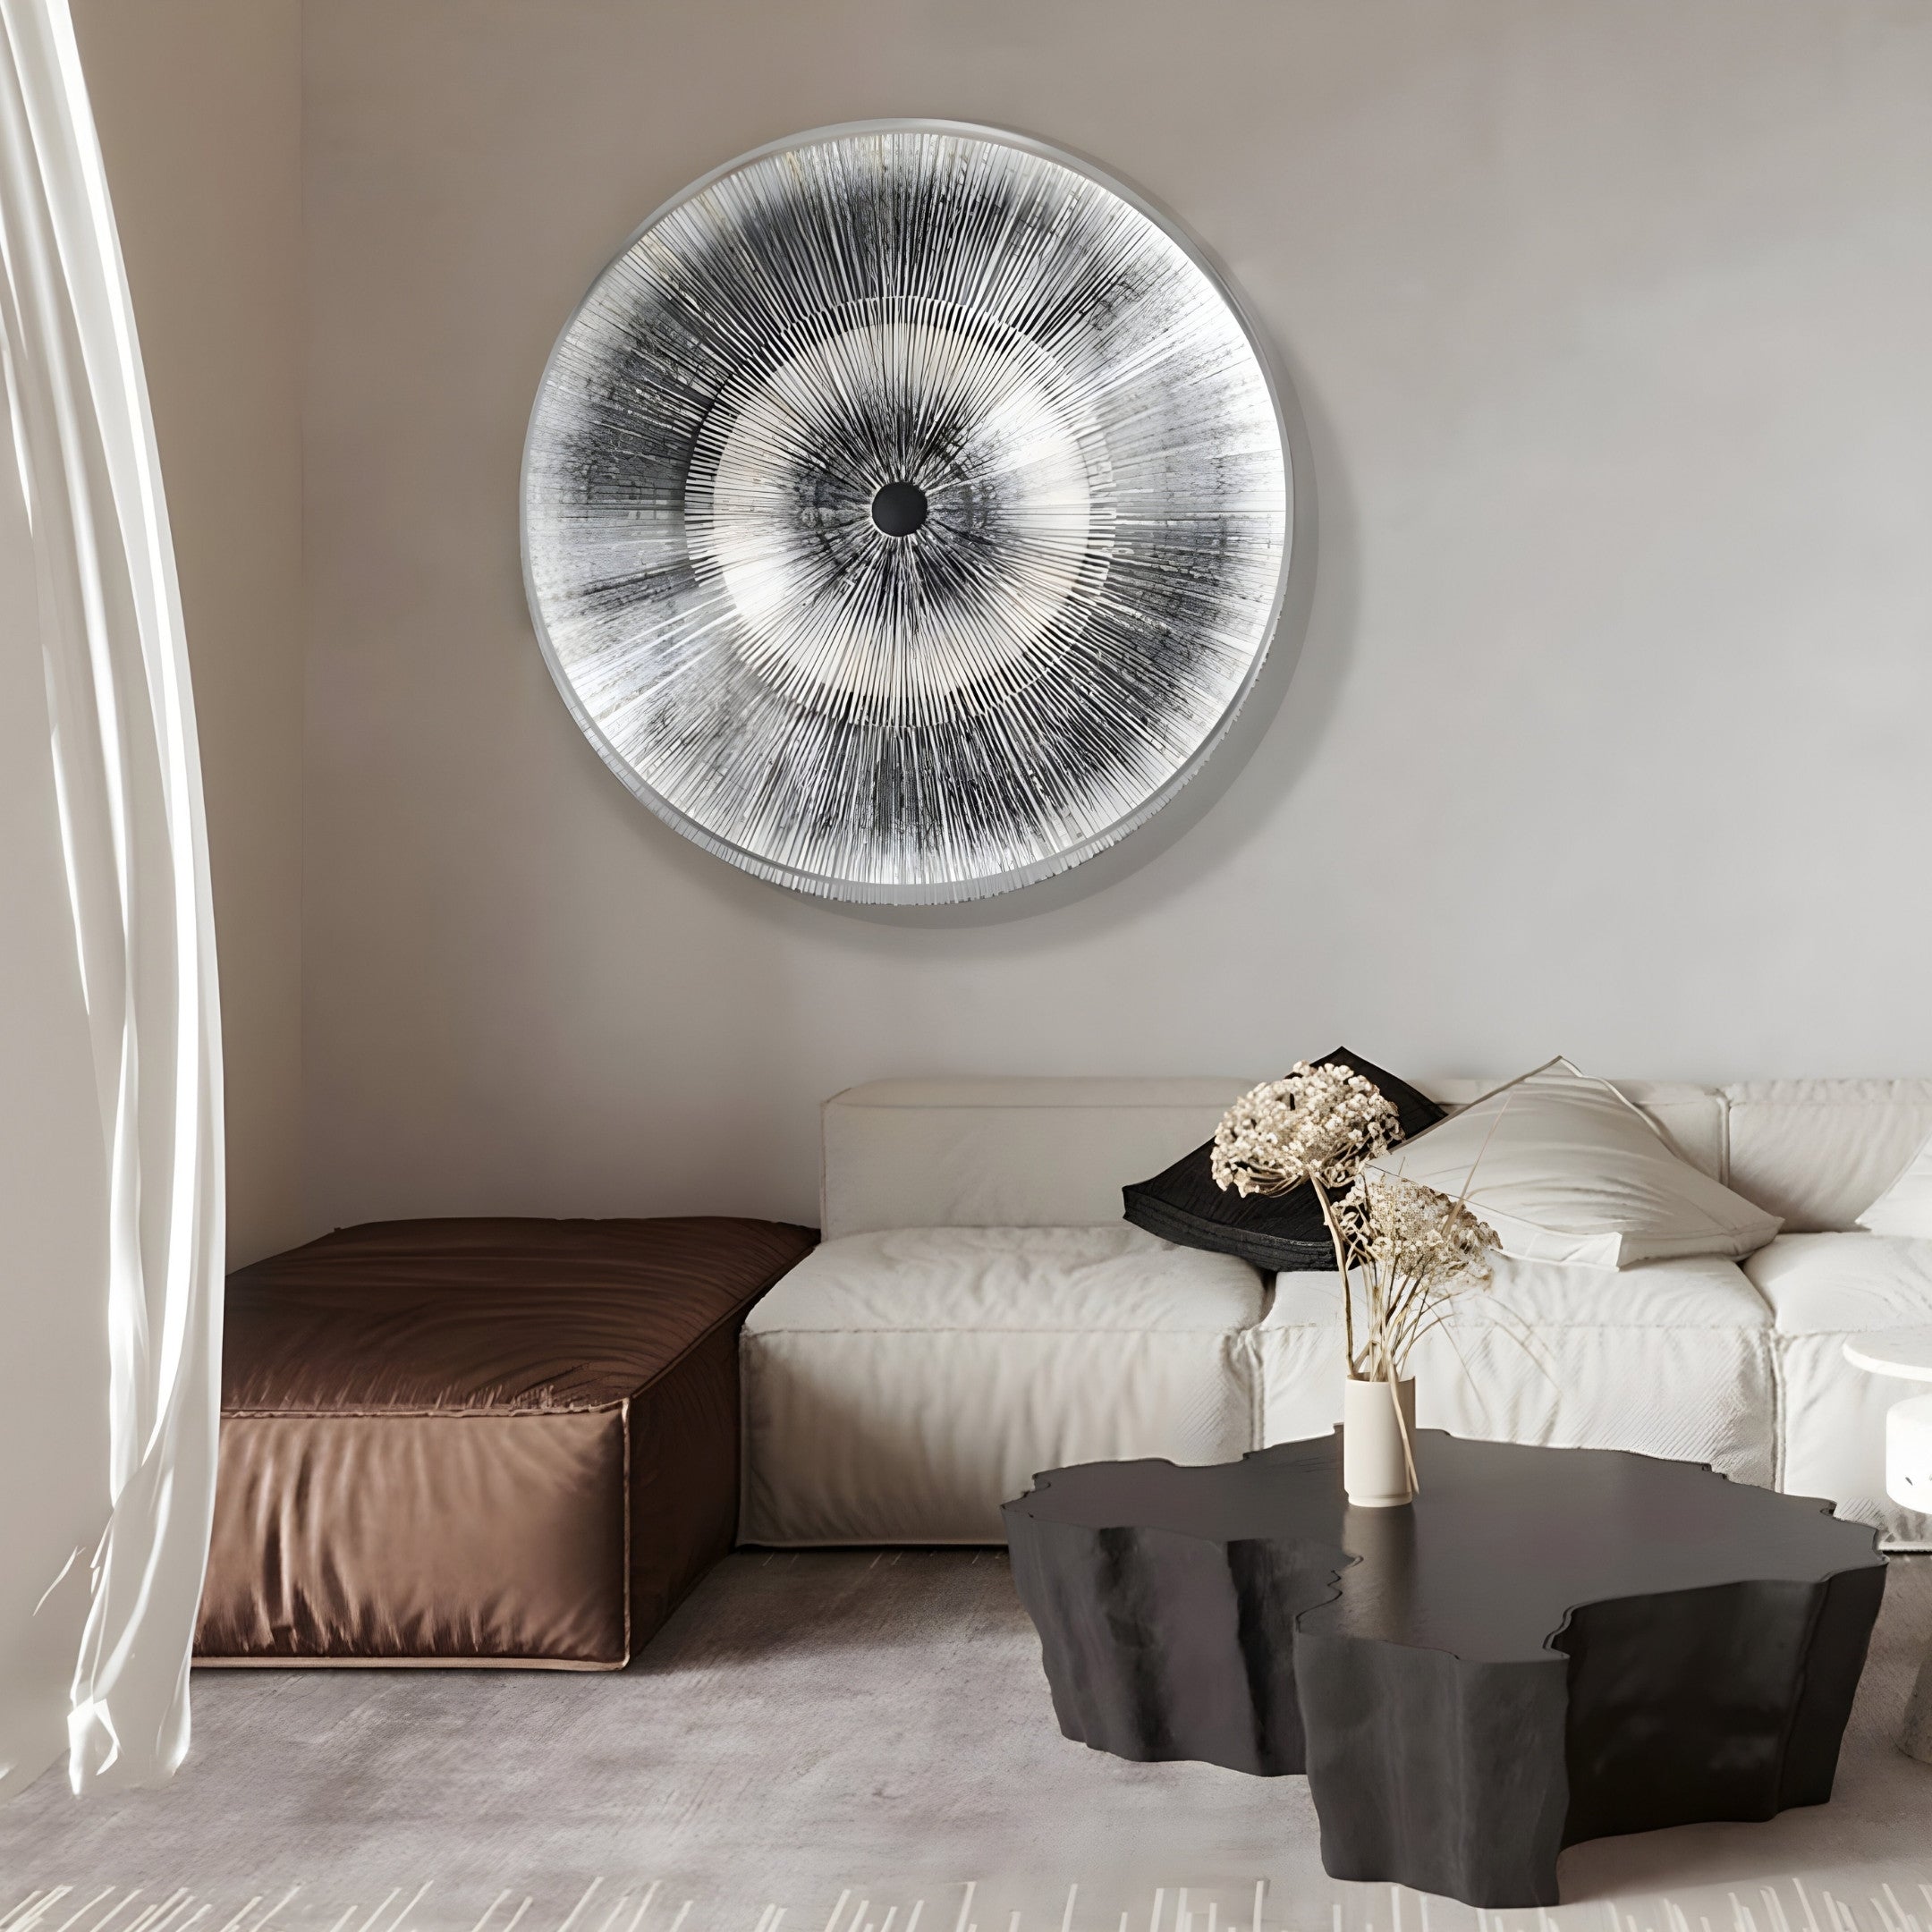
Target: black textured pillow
1283,1232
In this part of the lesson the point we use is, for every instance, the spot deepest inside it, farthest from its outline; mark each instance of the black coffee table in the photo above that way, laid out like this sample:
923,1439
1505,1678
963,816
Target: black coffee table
1548,1645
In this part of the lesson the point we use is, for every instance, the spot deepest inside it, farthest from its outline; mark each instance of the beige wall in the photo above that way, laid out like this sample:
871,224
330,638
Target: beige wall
1608,736
199,108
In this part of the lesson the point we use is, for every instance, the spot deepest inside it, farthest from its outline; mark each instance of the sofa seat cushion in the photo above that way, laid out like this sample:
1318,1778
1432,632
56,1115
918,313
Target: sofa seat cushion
1821,1288
1669,1358
498,1441
899,1386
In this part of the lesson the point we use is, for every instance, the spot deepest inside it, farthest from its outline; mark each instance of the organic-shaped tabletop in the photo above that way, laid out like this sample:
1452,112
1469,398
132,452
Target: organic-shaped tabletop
1548,1645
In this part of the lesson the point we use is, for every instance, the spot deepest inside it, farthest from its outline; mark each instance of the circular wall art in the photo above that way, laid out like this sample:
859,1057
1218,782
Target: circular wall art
906,512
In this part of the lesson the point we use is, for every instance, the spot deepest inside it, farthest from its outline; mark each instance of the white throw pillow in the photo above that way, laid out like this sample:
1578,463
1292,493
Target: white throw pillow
1905,1207
1565,1169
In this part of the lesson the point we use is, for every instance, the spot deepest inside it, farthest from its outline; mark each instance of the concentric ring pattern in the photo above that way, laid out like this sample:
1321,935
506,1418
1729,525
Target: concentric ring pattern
906,512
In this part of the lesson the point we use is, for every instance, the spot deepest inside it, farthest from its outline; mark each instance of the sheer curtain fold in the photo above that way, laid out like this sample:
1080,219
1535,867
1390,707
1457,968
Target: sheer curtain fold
111,1212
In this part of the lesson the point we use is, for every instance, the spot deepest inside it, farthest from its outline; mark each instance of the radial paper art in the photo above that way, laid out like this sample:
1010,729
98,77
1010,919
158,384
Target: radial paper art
906,512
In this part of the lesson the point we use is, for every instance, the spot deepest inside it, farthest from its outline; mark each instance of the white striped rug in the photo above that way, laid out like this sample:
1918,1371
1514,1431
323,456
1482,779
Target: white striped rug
1846,1903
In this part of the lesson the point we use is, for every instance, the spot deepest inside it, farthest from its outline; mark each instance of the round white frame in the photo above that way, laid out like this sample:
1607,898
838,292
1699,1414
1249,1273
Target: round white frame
848,892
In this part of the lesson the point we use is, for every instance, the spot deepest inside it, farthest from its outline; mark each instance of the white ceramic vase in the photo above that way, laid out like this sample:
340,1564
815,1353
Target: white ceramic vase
1375,1472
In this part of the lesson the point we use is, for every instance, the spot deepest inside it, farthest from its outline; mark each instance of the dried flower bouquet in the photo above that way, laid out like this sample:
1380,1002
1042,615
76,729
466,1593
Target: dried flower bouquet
1407,1250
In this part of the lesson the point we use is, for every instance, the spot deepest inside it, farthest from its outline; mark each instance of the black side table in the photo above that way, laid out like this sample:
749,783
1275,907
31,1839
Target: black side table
1548,1645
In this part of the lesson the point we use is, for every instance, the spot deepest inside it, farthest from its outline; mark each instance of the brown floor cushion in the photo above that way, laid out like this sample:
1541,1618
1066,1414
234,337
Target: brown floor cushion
500,1442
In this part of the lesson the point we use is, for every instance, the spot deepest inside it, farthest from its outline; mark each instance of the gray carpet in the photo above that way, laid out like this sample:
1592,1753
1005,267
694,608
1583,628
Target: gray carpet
842,1723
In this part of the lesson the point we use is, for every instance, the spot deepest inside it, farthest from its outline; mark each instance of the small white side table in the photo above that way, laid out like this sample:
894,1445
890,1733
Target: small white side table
1907,1353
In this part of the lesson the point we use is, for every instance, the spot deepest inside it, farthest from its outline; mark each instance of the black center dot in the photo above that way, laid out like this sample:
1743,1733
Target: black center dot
899,509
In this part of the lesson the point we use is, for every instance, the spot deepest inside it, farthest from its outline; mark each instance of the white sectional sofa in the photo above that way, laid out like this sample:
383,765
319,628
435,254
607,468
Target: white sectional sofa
979,1310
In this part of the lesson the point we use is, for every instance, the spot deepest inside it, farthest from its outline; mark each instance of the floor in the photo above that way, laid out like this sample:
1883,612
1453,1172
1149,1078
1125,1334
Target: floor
842,1723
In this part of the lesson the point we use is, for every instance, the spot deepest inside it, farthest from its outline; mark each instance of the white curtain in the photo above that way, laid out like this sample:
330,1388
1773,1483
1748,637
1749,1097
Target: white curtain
110,1109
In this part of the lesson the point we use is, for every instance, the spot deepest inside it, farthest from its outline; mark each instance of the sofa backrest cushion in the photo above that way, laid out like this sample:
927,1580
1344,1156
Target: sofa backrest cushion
1056,1153
1006,1153
1818,1152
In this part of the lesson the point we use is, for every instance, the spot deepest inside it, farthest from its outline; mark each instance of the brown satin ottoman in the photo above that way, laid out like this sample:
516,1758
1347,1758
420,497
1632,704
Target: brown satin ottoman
497,1442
